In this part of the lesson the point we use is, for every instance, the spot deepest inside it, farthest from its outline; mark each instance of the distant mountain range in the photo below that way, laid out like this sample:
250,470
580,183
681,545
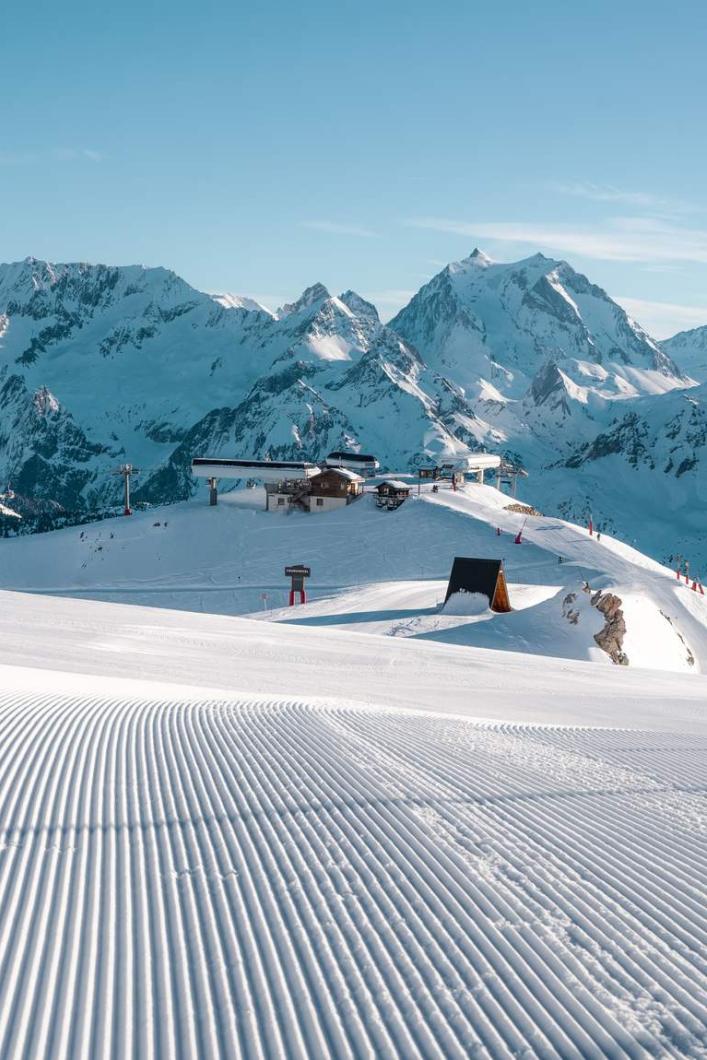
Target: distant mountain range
100,365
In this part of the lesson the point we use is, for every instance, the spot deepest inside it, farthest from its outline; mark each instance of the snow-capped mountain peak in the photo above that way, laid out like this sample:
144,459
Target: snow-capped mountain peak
477,259
503,322
689,348
240,301
309,297
360,306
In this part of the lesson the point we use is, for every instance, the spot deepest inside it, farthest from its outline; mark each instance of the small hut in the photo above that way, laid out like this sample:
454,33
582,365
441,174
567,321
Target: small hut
484,576
391,493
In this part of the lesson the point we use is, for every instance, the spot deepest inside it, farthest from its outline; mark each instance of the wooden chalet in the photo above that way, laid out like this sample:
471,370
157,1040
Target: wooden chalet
484,576
391,493
334,487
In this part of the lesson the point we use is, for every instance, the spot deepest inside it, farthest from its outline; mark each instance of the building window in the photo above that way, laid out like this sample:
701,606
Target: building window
280,500
320,502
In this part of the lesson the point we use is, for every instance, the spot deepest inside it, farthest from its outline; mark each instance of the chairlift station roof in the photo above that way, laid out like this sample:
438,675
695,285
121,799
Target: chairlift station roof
264,470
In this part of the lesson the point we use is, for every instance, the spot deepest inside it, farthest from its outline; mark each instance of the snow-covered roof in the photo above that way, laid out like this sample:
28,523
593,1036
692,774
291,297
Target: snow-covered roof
395,483
346,473
265,470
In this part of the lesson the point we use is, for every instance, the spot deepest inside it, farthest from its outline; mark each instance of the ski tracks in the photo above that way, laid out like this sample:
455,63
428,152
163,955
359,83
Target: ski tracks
280,879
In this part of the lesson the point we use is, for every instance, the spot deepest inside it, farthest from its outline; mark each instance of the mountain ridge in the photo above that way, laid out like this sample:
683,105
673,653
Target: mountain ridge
101,364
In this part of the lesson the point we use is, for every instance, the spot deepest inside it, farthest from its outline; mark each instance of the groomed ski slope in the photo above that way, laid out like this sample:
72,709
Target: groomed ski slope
188,872
279,878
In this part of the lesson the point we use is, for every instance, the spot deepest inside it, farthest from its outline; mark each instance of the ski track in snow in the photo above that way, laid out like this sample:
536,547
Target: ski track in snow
278,878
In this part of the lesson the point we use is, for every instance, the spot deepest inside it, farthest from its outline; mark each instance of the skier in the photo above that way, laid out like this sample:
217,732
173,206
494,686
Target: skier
598,535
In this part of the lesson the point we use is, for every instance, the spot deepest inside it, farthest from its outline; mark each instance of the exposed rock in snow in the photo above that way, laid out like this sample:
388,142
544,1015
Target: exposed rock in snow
611,638
689,348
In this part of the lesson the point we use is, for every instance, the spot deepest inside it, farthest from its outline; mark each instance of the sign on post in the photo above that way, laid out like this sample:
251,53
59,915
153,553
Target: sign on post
297,572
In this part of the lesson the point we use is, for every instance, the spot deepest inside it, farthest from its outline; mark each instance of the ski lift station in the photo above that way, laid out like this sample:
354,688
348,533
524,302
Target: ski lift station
289,484
337,481
362,463
475,464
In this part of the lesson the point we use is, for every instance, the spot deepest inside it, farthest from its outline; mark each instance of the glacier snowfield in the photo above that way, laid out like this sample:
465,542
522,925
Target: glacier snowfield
360,828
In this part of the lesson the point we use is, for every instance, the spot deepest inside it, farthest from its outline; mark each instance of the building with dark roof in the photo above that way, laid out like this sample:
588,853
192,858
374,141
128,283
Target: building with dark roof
483,576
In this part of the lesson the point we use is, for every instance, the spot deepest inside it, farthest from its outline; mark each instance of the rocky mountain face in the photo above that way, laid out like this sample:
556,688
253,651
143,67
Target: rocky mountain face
485,323
101,365
104,365
689,348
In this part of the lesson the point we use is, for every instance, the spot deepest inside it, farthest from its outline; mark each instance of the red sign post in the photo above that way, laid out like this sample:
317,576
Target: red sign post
297,572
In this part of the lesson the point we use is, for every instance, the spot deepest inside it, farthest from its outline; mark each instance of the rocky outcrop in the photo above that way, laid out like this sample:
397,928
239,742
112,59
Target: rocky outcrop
611,638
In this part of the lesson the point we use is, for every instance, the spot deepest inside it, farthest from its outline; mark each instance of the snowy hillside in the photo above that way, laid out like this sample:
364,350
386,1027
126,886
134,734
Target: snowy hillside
378,572
228,838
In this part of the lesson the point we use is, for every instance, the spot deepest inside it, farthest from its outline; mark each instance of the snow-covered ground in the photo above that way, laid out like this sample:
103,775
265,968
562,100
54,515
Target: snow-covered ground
222,837
376,571
187,872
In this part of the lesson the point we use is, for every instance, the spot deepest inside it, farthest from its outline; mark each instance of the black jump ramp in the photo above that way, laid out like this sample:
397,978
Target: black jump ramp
485,576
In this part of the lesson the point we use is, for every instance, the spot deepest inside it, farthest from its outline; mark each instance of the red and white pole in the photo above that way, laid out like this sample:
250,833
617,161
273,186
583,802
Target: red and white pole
126,476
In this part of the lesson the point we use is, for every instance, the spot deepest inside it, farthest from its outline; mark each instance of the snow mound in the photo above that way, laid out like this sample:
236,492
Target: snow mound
465,603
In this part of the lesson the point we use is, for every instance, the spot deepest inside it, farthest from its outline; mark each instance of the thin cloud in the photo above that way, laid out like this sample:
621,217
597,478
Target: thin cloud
391,296
54,154
638,239
334,228
608,193
663,319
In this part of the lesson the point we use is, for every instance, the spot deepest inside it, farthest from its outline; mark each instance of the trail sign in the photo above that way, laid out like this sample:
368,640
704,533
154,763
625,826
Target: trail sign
297,572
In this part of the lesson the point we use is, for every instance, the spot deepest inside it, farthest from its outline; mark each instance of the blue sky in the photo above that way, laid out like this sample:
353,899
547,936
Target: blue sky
259,148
